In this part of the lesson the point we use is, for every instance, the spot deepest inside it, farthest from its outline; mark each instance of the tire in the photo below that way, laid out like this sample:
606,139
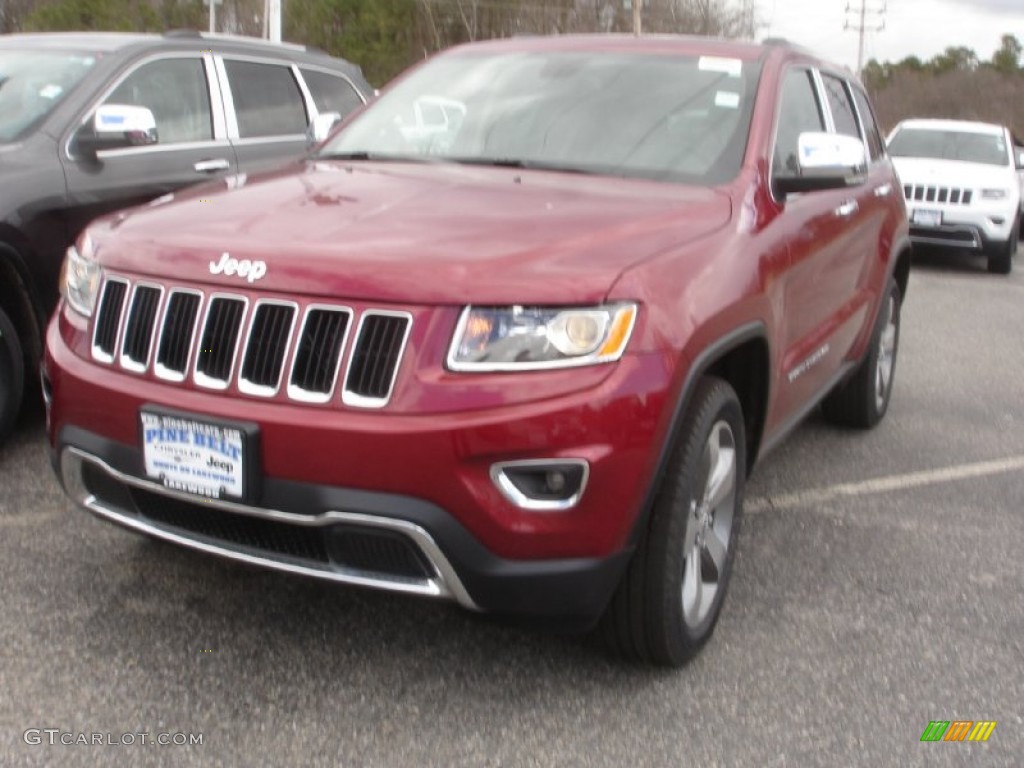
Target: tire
862,400
12,375
1000,258
668,603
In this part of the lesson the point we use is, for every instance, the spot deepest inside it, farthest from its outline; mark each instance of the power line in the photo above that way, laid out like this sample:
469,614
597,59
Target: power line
866,18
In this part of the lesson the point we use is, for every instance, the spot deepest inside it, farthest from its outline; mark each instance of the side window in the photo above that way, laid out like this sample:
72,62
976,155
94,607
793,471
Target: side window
841,107
331,93
798,113
267,99
876,147
176,92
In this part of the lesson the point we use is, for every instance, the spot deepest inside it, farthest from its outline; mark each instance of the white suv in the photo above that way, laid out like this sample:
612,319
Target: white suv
960,182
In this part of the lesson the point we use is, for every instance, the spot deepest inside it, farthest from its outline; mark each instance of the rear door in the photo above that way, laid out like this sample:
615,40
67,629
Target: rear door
268,111
181,91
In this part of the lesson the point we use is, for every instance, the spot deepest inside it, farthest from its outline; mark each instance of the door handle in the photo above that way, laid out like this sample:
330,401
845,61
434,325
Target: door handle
883,191
210,166
848,208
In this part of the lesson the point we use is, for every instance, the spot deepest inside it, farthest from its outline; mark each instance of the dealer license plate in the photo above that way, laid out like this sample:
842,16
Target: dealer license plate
193,455
926,217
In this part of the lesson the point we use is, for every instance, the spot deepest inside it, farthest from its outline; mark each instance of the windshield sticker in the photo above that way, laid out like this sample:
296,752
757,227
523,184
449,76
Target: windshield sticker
731,67
50,91
727,99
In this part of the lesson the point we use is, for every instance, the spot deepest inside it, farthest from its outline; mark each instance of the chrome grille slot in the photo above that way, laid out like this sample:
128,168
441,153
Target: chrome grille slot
219,342
138,327
179,329
318,354
266,348
108,320
931,194
373,367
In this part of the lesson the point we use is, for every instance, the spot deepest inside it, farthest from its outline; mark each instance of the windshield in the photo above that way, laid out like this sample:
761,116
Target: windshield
32,84
987,148
662,117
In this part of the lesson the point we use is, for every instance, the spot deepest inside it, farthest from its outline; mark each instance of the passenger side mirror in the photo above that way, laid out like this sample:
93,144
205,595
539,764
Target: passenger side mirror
320,128
825,161
1020,159
117,126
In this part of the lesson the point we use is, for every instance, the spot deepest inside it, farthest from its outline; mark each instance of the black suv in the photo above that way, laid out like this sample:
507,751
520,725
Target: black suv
93,122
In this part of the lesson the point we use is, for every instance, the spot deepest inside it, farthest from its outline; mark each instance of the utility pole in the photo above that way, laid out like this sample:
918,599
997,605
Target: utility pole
637,5
866,19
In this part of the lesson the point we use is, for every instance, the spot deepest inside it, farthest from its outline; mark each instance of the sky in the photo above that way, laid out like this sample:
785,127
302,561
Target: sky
919,28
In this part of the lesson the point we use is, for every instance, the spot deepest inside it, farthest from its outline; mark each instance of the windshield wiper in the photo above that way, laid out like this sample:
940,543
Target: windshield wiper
515,162
374,156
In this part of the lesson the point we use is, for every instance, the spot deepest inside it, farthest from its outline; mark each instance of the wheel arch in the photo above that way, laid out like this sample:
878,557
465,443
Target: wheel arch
17,295
741,358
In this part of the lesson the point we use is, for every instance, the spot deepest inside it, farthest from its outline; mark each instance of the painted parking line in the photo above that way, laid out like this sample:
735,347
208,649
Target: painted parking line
886,484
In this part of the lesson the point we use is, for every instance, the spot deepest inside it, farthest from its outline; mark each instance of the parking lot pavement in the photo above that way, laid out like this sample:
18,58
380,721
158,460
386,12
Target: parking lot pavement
878,588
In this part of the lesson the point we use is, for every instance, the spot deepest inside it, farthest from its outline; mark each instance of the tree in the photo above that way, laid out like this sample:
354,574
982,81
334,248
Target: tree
954,58
1007,58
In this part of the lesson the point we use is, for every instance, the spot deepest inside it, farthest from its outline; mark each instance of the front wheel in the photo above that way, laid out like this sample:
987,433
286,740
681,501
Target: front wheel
12,375
1000,258
666,607
863,399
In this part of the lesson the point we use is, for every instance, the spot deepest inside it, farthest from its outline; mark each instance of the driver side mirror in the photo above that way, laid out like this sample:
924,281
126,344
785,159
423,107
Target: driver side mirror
117,126
825,161
320,128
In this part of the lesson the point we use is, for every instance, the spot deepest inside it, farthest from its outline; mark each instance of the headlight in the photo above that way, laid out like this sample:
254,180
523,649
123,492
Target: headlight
533,338
994,194
80,277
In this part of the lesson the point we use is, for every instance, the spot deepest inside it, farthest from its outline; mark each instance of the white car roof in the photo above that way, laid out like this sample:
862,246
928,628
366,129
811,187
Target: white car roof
965,126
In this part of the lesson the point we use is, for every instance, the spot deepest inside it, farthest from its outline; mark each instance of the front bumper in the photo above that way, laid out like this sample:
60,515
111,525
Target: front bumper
973,227
399,502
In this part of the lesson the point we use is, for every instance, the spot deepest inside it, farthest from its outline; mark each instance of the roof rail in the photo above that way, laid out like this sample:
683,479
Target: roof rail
193,34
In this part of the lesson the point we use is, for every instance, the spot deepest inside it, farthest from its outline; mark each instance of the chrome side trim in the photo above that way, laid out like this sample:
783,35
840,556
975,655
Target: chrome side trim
513,494
445,584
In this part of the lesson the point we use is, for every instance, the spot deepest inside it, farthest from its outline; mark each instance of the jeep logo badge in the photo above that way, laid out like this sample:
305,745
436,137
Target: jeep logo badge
250,270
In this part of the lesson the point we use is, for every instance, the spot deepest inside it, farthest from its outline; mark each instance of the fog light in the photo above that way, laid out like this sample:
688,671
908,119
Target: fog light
542,485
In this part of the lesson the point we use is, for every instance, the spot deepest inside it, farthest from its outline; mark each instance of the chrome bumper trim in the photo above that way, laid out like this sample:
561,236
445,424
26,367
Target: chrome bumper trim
445,583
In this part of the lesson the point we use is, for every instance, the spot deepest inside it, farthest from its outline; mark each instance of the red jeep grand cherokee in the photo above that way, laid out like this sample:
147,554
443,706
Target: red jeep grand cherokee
514,336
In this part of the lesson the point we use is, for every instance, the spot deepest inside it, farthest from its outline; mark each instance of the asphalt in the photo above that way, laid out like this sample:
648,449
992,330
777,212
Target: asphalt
877,587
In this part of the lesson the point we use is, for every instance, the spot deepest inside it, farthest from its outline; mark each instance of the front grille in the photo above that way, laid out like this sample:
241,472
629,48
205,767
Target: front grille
220,341
108,320
356,548
378,552
374,362
937,194
138,332
176,337
241,531
268,345
319,352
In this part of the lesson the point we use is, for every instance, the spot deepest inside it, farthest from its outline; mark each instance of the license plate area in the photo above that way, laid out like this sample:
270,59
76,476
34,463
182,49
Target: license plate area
927,217
198,455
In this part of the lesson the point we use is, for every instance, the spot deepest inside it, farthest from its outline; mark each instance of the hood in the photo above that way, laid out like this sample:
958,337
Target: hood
413,233
952,173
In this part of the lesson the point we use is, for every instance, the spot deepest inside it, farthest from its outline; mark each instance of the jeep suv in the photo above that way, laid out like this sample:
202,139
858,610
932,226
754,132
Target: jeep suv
94,122
526,366
961,185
